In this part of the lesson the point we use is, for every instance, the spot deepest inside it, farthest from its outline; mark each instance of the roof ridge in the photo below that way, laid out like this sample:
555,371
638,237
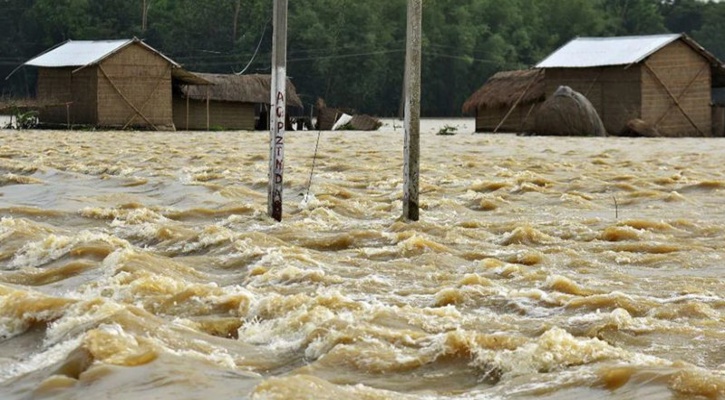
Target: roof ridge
629,36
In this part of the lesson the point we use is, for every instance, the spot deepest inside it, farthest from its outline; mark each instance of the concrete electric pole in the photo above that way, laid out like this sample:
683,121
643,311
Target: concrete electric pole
411,164
278,110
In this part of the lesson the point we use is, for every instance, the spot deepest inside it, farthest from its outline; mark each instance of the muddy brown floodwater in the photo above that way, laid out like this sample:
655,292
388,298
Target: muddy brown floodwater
139,265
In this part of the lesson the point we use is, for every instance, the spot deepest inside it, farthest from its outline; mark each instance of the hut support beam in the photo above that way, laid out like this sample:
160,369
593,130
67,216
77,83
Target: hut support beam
682,93
594,81
672,96
526,118
100,67
516,103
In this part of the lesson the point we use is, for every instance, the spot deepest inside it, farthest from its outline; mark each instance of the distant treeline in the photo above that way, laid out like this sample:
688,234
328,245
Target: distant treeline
350,52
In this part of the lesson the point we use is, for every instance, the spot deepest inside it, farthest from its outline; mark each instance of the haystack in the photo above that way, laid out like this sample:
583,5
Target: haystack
568,113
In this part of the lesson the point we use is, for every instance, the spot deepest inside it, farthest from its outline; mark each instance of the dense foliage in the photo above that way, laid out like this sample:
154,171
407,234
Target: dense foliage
349,52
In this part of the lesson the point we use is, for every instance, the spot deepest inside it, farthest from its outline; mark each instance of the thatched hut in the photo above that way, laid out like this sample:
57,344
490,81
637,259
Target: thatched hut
507,101
108,83
237,102
663,81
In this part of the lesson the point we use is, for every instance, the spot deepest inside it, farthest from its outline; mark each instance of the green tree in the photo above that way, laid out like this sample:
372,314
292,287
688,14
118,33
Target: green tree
350,52
683,16
633,17
341,51
711,35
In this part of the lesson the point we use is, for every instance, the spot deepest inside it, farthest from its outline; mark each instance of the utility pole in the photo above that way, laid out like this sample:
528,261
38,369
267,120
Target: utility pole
144,16
237,10
411,163
277,115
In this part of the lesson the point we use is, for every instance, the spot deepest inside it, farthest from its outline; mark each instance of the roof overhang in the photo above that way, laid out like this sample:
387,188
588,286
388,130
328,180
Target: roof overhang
188,78
716,66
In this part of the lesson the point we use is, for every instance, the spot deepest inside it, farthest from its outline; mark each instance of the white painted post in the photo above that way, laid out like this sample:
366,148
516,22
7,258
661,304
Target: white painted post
277,117
411,164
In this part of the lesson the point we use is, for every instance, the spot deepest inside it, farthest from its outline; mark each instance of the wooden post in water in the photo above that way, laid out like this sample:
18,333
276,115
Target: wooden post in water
411,164
278,101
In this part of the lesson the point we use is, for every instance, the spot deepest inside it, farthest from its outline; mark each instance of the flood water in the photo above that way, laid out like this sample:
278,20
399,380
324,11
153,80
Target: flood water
142,265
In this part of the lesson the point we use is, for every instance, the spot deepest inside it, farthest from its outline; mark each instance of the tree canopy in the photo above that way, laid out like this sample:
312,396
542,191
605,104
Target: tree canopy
349,52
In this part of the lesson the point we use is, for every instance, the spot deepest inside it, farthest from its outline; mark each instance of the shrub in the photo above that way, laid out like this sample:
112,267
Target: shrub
447,130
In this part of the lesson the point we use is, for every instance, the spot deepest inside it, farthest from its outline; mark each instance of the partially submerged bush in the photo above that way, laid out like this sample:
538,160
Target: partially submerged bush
24,119
447,130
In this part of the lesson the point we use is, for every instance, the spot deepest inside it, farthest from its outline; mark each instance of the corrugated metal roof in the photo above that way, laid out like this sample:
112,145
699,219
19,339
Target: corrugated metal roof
587,52
79,53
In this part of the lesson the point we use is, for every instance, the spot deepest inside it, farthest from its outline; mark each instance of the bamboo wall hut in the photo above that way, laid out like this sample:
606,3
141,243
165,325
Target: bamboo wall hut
664,81
507,101
238,102
110,83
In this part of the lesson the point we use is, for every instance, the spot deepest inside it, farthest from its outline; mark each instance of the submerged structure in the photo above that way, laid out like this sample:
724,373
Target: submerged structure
665,82
237,102
108,83
506,102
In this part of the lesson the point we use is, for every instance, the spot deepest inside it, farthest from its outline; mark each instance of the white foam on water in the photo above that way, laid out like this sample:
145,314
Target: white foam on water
218,356
78,318
555,350
54,246
45,357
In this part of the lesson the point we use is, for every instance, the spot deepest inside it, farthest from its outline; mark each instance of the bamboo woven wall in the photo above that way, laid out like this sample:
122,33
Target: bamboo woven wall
222,115
54,87
613,91
687,74
144,79
84,109
66,97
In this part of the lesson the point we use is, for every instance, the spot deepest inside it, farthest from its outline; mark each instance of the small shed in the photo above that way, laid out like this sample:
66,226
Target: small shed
237,102
507,101
663,80
108,83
